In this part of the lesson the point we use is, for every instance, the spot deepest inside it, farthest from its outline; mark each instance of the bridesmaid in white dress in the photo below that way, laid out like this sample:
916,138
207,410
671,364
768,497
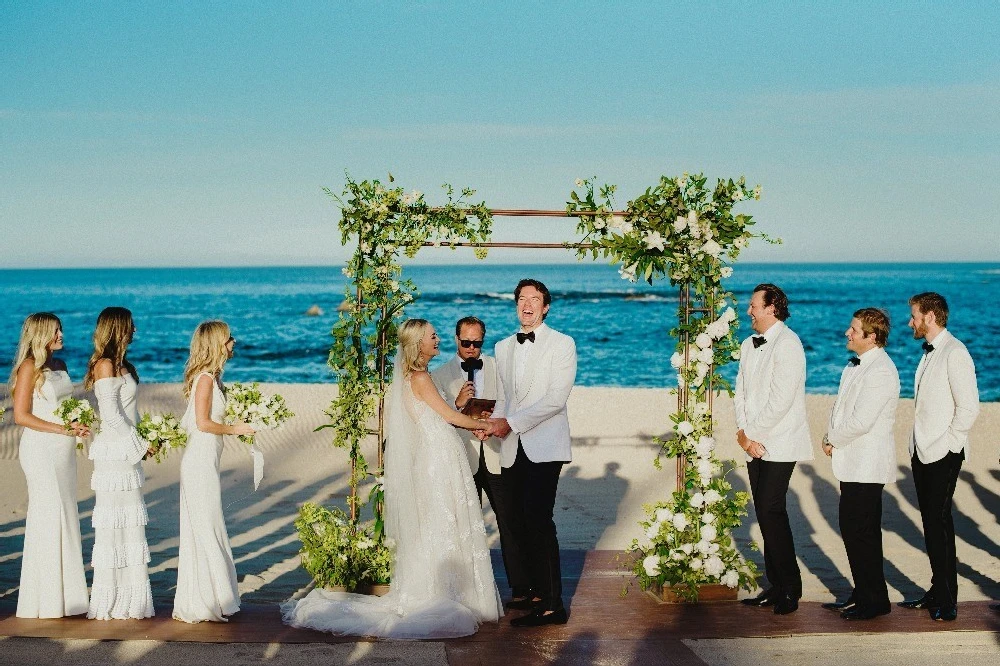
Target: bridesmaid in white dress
207,588
53,583
121,580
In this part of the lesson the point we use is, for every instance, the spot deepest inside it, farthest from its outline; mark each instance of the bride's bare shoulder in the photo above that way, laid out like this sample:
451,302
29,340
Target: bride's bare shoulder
420,382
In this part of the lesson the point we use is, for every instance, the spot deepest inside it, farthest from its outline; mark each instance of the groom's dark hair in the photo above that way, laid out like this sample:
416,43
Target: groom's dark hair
528,282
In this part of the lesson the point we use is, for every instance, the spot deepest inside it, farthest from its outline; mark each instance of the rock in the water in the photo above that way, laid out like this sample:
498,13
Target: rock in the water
314,311
344,307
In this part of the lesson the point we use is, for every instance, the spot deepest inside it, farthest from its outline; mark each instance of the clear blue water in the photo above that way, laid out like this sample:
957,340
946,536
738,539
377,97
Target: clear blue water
620,328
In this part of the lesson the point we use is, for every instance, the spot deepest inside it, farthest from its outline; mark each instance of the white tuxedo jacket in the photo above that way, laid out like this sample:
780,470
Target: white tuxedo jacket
864,449
536,406
449,378
946,400
770,398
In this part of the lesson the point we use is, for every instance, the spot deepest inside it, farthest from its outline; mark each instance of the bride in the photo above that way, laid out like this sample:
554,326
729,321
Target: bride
442,577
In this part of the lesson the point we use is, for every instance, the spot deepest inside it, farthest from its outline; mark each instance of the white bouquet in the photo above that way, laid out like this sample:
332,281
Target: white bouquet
162,433
76,410
247,404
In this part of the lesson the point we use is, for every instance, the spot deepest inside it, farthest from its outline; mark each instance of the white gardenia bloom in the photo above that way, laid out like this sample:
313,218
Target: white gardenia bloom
697,499
664,515
692,218
738,194
729,315
600,224
687,548
714,566
654,240
696,563
704,446
684,428
708,517
680,224
712,496
579,182
651,564
704,340
701,368
695,231
680,521
726,271
653,531
711,248
706,356
628,272
708,533
735,354
704,547
677,360
705,467
678,555
756,192
740,242
394,285
730,579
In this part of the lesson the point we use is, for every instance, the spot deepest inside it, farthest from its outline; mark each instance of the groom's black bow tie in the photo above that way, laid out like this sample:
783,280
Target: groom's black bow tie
928,347
854,360
470,364
758,340
521,337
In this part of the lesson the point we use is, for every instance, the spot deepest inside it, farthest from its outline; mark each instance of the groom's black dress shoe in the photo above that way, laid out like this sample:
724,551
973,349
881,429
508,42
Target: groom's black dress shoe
944,614
525,603
995,607
839,606
924,602
538,618
786,605
765,598
868,613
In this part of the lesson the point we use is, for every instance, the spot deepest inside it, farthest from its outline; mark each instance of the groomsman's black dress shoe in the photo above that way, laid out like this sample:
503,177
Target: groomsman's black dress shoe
538,618
859,613
944,614
926,601
995,607
765,598
839,606
786,605
524,603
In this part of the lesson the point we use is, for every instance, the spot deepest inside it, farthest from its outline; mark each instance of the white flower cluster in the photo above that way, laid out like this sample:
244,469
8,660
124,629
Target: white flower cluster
247,404
162,432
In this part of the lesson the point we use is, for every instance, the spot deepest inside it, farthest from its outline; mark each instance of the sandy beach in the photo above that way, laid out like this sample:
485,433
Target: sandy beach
600,500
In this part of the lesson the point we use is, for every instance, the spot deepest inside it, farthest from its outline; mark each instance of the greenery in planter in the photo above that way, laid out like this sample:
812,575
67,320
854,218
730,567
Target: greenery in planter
336,551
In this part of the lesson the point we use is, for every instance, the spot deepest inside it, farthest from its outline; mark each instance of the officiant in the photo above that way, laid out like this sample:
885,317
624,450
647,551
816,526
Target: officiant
467,375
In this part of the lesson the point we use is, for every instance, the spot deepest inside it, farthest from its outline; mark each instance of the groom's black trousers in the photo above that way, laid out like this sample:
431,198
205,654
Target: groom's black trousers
500,491
769,486
535,493
935,483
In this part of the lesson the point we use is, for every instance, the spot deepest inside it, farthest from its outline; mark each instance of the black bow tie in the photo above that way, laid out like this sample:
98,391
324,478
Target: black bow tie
928,347
521,337
471,364
758,340
854,360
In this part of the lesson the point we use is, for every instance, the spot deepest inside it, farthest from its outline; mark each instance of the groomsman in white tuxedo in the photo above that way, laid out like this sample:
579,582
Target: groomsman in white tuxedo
946,403
770,403
453,378
537,368
860,441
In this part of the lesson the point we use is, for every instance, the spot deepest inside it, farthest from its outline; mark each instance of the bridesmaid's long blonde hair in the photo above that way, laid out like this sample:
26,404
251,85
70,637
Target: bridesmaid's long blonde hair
208,352
410,334
112,336
38,331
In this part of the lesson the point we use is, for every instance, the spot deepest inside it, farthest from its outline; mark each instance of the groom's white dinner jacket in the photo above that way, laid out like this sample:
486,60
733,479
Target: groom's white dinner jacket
450,378
946,400
864,449
770,398
536,400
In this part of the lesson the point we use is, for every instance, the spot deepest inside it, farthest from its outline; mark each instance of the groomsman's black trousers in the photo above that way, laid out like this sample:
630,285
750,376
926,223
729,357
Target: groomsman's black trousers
769,486
500,491
535,493
935,483
861,528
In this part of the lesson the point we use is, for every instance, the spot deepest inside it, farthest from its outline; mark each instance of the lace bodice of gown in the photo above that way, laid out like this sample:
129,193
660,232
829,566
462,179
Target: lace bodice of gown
55,388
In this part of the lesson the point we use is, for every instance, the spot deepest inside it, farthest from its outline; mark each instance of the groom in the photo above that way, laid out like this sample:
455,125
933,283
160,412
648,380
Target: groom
537,368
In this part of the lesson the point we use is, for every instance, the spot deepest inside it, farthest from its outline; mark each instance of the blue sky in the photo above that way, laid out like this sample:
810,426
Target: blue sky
167,133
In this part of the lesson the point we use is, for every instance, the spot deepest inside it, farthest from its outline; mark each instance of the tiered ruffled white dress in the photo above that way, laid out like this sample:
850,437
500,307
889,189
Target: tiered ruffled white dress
121,579
207,589
53,583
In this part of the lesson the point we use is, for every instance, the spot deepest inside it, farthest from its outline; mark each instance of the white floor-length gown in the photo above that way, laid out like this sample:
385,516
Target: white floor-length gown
53,582
121,579
442,578
207,589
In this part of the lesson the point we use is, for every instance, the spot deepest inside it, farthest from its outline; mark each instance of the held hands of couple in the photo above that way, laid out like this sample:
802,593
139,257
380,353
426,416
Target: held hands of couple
495,428
753,449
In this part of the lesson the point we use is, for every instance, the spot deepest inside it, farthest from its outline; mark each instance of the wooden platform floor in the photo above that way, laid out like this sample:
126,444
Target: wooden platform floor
635,628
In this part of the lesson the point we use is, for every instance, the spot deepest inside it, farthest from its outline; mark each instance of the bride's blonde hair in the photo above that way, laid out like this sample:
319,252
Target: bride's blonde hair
38,331
208,352
410,335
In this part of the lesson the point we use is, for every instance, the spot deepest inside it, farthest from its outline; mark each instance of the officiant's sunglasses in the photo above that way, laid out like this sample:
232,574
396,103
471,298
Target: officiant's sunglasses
478,344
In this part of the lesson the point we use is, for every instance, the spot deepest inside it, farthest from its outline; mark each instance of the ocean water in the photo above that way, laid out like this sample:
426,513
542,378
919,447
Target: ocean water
620,328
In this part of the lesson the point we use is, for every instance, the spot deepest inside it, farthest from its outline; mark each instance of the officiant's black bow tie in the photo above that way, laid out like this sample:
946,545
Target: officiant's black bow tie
472,364
854,360
758,340
928,347
521,337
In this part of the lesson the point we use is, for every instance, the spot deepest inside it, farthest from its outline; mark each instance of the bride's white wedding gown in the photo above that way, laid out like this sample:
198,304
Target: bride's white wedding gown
442,577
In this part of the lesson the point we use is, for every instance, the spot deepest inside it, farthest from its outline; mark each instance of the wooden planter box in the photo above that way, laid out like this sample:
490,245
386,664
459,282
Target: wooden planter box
706,593
376,590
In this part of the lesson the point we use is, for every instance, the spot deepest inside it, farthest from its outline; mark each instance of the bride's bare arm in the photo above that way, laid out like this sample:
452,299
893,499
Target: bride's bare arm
424,389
